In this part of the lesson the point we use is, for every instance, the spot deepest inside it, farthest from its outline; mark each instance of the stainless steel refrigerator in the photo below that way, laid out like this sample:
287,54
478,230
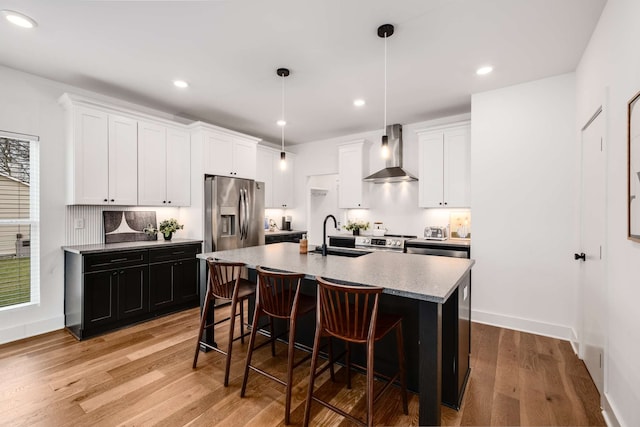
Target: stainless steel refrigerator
234,213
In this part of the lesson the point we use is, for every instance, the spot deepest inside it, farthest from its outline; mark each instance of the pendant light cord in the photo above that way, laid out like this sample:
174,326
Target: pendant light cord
283,112
385,84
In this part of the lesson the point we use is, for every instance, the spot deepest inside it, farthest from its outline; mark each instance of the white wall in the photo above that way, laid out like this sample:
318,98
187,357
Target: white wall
396,205
611,62
523,175
29,105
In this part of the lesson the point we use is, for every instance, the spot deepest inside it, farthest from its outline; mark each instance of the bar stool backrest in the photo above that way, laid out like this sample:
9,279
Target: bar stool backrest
278,292
348,312
224,277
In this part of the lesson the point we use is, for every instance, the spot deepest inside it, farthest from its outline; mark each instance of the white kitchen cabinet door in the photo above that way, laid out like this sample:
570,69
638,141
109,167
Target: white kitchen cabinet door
123,160
178,167
431,167
352,189
445,167
244,158
90,142
152,161
264,173
457,168
283,181
218,154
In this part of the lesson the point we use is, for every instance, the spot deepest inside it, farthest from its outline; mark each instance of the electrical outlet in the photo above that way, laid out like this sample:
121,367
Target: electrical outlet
78,223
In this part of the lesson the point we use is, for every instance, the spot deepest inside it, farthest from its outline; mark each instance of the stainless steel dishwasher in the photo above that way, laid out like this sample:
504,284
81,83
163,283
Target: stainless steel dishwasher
421,250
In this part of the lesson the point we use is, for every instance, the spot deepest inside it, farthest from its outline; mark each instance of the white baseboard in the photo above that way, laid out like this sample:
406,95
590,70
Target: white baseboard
527,325
19,332
609,414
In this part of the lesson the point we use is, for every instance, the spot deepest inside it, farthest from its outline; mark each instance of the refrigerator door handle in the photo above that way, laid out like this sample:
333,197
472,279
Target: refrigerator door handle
241,214
244,211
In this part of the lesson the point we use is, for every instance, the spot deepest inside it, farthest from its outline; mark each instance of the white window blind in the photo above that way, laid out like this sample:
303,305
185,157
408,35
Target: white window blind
19,220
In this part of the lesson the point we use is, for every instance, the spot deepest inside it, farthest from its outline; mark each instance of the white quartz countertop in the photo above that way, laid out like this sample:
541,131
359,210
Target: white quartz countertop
423,277
127,246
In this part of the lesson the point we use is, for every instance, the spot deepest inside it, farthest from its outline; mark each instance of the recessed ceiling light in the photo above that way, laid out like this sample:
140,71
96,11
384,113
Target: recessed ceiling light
181,84
281,122
359,102
484,70
19,19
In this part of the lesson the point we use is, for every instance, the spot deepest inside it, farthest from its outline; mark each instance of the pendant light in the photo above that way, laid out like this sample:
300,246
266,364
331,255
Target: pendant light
282,72
385,31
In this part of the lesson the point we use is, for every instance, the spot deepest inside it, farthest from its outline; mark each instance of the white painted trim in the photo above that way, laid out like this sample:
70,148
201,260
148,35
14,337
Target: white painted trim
609,413
442,127
562,332
31,329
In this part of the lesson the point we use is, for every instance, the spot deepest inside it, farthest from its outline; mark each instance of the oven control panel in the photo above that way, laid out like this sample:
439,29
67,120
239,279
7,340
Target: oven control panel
376,242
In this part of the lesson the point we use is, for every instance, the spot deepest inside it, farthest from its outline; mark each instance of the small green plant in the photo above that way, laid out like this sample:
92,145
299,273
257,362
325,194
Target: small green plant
166,227
356,225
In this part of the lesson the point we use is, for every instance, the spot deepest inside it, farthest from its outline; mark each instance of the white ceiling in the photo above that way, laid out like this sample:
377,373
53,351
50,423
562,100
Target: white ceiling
229,52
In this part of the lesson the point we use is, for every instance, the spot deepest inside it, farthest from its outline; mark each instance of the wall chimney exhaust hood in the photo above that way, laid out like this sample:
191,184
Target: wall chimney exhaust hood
393,171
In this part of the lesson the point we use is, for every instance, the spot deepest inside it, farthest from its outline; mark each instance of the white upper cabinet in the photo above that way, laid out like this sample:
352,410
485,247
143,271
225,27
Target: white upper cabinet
229,155
445,166
164,156
352,191
103,149
278,182
178,167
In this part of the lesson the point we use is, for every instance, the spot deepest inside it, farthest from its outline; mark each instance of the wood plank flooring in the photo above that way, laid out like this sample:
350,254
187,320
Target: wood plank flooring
142,375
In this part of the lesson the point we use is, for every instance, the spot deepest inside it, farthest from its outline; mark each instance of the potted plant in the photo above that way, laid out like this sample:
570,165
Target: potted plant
356,226
166,227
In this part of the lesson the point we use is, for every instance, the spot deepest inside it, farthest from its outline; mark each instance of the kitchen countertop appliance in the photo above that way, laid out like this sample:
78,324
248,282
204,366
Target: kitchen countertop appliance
436,233
234,213
390,242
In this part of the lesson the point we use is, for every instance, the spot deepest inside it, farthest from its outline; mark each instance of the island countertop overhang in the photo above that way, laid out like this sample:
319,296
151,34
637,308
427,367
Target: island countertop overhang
421,277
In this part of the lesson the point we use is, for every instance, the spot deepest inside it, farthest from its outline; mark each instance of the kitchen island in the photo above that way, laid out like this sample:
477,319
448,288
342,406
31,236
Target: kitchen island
416,286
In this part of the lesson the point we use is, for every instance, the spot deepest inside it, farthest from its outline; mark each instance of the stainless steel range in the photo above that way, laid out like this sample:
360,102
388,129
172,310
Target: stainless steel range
387,243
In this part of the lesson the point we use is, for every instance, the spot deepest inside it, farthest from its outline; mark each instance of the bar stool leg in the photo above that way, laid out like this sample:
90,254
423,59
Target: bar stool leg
347,359
331,361
291,348
203,321
403,374
370,370
242,321
252,339
273,337
234,303
314,363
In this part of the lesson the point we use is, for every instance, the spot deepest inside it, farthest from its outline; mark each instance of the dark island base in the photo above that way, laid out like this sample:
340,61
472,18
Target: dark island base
454,315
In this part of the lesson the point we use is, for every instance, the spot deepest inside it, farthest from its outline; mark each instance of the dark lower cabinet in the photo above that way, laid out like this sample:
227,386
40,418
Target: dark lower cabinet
108,290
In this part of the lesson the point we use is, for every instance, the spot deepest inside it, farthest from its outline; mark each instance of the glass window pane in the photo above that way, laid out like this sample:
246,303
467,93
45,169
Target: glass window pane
14,179
15,264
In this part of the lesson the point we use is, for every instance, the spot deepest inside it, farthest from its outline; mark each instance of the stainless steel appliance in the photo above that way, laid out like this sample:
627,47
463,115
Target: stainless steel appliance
435,233
391,242
234,213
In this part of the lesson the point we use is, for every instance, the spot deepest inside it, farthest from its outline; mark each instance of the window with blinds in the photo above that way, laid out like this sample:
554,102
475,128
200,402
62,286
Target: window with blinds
19,220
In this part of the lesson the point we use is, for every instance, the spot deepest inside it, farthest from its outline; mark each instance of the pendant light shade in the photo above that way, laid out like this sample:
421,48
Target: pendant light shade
282,72
385,31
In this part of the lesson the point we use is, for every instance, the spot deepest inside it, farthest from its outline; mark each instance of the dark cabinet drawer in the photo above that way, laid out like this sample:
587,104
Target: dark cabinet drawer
173,253
108,261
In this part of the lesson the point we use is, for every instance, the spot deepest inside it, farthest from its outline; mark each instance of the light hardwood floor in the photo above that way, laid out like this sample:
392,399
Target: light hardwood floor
142,375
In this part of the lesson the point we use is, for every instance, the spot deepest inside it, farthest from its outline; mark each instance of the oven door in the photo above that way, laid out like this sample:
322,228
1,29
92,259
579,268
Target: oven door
438,252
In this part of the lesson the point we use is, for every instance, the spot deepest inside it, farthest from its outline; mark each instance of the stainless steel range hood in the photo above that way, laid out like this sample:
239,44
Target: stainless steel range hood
393,171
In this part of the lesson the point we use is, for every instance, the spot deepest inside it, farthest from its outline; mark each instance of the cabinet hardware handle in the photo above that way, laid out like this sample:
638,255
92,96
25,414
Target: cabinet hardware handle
119,260
105,200
440,203
177,253
169,201
581,256
112,200
445,203
164,201
122,272
115,273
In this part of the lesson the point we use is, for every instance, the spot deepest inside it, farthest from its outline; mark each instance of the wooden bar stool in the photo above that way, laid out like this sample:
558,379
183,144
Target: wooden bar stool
348,313
225,283
278,297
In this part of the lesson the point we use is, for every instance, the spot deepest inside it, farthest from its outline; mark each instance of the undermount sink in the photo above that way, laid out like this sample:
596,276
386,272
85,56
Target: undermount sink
351,253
